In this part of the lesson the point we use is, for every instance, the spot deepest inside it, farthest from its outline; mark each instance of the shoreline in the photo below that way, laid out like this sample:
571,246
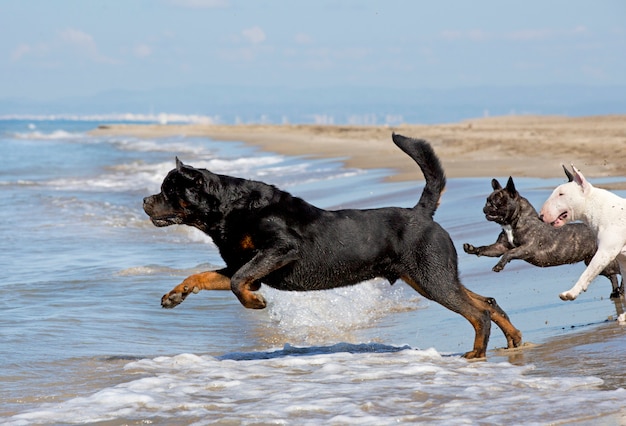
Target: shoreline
492,147
518,146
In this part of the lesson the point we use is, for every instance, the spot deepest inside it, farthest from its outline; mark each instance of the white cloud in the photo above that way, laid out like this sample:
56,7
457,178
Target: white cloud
84,44
528,35
20,51
519,35
302,38
546,34
70,39
245,54
254,35
472,35
142,50
80,40
477,35
201,4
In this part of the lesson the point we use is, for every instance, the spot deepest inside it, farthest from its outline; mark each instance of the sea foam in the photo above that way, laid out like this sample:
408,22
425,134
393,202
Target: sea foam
341,384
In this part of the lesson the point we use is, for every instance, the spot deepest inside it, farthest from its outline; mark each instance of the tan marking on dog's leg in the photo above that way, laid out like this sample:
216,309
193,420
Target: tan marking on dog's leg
245,293
478,316
209,280
482,335
416,287
497,315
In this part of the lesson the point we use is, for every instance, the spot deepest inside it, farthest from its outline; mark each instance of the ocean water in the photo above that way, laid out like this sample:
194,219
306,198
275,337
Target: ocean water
83,339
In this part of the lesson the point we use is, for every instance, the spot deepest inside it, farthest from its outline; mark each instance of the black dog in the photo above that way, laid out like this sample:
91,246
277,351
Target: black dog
525,236
265,235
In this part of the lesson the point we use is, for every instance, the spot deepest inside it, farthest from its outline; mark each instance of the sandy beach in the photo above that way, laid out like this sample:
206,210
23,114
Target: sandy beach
520,146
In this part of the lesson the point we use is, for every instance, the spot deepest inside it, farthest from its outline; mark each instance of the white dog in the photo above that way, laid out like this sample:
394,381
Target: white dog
603,211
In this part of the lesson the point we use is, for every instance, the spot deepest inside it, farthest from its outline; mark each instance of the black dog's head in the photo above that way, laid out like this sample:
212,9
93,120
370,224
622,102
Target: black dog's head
187,196
502,203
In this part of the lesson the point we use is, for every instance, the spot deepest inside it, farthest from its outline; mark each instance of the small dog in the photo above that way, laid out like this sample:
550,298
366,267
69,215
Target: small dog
526,237
603,211
265,235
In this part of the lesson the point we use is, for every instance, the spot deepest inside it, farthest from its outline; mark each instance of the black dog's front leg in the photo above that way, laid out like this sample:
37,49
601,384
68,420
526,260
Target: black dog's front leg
248,278
209,280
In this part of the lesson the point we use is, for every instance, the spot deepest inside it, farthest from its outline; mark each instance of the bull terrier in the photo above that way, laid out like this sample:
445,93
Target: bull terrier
603,211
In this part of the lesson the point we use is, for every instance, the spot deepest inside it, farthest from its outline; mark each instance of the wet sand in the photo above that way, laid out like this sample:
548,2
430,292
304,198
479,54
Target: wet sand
520,146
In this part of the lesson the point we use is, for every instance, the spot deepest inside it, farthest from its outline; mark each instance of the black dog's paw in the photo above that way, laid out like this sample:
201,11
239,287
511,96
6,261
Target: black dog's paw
251,300
497,268
177,296
171,300
470,249
255,301
475,355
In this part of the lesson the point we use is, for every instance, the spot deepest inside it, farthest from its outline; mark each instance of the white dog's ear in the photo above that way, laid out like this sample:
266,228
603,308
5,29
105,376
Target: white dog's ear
580,180
570,176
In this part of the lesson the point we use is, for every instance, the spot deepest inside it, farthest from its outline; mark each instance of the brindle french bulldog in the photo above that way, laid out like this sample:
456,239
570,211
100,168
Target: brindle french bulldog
525,236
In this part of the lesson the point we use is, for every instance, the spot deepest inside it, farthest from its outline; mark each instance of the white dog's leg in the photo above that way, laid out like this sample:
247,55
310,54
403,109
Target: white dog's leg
600,260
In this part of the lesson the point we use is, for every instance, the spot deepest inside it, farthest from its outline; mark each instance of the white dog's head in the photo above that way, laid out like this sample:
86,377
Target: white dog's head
566,199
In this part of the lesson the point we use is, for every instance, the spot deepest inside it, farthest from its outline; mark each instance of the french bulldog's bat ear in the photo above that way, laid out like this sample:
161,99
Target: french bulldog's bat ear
570,176
510,186
495,184
179,164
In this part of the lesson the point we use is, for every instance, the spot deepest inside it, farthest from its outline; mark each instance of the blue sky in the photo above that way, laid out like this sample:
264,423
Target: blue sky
54,49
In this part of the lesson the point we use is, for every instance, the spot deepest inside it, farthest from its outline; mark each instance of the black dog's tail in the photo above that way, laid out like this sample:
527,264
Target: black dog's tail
425,157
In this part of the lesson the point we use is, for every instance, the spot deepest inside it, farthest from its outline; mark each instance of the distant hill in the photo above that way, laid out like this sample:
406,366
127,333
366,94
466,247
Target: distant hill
336,105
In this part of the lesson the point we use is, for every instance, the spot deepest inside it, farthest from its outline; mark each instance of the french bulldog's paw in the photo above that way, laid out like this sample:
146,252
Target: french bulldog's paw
470,249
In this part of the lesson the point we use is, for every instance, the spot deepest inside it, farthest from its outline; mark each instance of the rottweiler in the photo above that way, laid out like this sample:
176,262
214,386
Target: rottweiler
266,235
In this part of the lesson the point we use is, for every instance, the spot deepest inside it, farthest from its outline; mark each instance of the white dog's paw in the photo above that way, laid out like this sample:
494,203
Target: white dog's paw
568,295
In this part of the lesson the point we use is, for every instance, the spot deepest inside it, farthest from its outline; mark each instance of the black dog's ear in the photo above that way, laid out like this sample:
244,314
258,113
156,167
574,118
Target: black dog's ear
510,186
570,176
190,172
495,184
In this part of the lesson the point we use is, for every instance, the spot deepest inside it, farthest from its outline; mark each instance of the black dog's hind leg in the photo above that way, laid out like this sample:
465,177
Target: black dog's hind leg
461,303
497,314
